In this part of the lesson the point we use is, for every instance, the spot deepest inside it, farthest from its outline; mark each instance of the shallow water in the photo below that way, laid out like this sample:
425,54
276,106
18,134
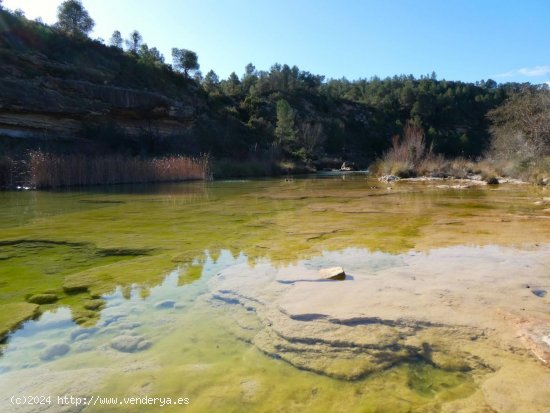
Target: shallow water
142,265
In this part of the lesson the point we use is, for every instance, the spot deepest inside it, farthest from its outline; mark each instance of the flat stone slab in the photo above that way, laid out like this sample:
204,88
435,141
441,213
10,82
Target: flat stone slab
333,273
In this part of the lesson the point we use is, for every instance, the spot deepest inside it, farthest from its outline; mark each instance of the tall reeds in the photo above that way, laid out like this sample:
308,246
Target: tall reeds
50,170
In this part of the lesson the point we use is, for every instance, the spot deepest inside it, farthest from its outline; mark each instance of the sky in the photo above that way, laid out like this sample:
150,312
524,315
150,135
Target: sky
468,40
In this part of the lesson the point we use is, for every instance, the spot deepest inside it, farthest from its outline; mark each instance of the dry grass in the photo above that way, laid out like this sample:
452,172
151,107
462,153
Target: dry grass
48,170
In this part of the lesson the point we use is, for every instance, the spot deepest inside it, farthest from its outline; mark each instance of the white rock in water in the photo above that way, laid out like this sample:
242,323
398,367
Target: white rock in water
333,273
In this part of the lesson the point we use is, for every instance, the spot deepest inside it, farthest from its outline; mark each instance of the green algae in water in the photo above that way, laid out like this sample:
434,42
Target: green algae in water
193,355
429,381
38,266
204,361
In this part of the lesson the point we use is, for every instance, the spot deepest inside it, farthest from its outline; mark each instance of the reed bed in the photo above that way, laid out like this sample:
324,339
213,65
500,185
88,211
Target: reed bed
50,170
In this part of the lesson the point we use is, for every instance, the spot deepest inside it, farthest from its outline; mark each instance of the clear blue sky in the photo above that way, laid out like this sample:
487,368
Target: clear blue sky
506,40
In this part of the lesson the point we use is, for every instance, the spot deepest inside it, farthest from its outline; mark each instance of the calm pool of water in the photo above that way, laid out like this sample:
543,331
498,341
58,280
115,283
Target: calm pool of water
170,291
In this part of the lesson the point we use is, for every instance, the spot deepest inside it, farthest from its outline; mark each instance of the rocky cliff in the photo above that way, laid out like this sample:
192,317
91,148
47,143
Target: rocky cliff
46,106
53,87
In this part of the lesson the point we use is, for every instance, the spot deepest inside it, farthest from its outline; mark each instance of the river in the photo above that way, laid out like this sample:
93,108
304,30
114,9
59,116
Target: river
206,297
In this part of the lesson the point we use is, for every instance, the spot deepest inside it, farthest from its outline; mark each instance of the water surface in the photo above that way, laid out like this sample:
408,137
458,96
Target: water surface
152,284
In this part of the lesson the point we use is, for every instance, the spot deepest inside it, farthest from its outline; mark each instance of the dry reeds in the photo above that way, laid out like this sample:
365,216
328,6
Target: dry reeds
49,170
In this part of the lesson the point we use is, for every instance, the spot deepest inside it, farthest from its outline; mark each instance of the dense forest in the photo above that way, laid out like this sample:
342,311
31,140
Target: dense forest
284,115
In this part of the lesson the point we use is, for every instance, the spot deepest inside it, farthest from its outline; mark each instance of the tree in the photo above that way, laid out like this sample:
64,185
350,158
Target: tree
73,19
285,130
250,70
197,77
185,60
521,126
116,40
150,56
232,86
249,77
211,82
134,42
312,137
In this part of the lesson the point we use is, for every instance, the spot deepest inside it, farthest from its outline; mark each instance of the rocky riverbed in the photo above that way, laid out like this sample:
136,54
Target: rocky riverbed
461,309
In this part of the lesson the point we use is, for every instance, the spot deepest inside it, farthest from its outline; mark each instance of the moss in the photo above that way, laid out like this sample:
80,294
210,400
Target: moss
13,314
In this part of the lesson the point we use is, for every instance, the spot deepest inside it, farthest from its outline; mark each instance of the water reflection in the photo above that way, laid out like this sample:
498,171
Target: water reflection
135,311
160,320
405,332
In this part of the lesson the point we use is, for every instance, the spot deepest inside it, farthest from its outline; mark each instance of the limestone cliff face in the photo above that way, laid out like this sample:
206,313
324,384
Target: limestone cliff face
48,107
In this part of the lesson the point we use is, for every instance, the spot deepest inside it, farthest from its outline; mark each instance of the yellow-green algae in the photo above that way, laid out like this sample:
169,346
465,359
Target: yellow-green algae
157,229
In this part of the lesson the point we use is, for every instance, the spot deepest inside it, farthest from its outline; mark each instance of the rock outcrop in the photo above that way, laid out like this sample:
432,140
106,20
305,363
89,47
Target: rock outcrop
54,108
426,310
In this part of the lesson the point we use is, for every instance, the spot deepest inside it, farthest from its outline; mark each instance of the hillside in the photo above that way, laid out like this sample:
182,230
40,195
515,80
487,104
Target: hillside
69,94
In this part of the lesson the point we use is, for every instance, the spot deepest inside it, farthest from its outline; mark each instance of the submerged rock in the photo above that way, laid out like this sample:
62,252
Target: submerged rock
42,298
166,304
129,325
83,347
539,293
83,333
333,273
55,351
536,337
389,178
130,344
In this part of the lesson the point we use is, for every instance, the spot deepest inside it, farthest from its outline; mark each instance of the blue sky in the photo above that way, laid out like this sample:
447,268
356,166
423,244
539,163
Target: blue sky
460,40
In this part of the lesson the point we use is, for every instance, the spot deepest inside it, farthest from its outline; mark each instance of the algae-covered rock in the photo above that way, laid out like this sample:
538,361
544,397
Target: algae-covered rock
43,298
86,318
11,315
94,305
74,286
55,351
